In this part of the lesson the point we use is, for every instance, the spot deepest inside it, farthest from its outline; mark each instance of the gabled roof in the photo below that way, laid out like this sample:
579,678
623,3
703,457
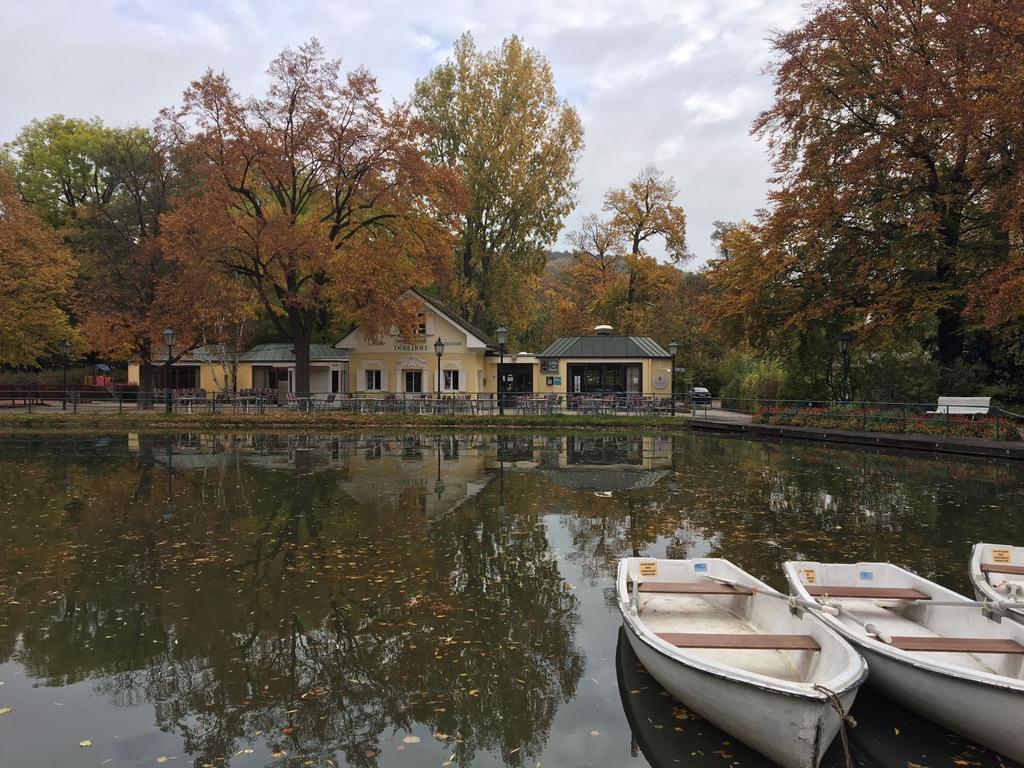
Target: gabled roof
449,314
453,317
285,353
605,346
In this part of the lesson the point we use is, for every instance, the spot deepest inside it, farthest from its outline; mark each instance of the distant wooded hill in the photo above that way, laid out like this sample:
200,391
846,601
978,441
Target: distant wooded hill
558,262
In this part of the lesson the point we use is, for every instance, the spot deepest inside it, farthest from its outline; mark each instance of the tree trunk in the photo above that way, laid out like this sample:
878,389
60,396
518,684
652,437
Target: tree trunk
949,335
302,333
144,397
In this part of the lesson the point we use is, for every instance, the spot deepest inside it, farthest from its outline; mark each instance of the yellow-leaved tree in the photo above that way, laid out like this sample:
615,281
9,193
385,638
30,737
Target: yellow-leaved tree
499,121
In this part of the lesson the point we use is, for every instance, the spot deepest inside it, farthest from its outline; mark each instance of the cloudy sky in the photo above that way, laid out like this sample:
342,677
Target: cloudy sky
676,83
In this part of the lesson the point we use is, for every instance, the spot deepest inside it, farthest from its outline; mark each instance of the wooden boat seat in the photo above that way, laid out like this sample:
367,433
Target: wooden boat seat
735,641
956,644
1016,570
691,588
884,593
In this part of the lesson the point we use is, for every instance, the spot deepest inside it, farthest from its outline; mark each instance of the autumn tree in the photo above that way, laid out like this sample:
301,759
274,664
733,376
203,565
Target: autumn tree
645,210
897,140
316,194
36,276
500,121
106,191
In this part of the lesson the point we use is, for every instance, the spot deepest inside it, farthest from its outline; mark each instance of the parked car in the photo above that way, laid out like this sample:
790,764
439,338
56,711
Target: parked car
700,395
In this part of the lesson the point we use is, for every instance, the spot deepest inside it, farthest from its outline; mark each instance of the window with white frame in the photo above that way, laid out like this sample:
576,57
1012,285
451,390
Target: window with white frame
421,324
373,380
413,381
451,381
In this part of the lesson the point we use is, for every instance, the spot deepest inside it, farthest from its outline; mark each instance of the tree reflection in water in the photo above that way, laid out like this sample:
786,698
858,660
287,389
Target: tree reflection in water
287,611
315,595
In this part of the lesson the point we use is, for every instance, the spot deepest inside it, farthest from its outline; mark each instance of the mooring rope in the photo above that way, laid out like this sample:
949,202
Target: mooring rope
844,720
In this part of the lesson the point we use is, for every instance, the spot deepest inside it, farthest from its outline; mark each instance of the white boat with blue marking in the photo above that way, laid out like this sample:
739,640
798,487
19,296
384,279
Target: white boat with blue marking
934,651
740,654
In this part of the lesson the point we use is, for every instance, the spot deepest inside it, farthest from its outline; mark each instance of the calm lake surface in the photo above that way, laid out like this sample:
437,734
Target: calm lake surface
239,599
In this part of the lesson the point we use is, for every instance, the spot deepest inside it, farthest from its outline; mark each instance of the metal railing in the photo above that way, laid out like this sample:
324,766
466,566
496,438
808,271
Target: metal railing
992,422
265,401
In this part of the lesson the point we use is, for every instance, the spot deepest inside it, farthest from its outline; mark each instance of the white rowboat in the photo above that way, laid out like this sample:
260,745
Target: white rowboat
738,656
997,571
951,664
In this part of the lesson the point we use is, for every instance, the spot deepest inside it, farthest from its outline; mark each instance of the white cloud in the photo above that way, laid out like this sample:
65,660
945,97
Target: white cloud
676,82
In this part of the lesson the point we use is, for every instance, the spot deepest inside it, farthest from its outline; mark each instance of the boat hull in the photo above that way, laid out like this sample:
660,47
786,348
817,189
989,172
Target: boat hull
790,730
983,703
987,714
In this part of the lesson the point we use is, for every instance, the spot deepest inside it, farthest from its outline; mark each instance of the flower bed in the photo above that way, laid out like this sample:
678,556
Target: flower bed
893,421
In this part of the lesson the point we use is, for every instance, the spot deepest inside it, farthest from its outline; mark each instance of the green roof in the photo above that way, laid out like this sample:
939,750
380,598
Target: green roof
285,353
605,346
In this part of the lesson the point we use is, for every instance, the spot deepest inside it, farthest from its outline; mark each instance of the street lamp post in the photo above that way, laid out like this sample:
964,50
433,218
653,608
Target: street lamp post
845,340
439,483
438,350
65,348
501,334
169,341
673,348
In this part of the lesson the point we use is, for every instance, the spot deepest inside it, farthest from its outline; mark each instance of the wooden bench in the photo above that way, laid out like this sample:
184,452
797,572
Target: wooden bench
690,588
956,644
963,406
741,642
1016,570
882,593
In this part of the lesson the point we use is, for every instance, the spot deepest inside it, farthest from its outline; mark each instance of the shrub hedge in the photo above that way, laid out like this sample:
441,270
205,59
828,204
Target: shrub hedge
893,421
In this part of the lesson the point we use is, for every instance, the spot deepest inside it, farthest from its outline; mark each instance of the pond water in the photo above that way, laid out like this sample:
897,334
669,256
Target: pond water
238,599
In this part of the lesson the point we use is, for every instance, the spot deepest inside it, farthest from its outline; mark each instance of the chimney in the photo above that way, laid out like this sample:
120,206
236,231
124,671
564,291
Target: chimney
603,330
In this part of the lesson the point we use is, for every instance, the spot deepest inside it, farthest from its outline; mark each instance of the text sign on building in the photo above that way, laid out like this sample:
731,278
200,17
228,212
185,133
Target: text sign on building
549,366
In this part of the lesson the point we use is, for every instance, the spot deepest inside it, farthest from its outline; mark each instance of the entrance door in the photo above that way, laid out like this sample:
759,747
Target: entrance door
413,381
516,377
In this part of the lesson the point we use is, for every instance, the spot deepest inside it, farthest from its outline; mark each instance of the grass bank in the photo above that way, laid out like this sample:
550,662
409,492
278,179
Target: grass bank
150,420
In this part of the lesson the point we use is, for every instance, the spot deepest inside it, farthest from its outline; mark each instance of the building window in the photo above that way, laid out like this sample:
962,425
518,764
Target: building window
421,324
373,380
334,380
451,381
414,381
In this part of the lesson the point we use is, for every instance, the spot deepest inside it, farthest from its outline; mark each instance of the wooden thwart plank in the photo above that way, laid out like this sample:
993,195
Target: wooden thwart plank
956,644
1016,570
885,593
733,641
691,588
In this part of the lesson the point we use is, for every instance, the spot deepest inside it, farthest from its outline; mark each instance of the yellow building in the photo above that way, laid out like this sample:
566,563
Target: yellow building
208,367
604,363
393,365
264,367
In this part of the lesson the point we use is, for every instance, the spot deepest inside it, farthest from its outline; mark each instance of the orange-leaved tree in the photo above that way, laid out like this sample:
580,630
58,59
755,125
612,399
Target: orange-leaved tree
106,190
898,147
316,194
36,275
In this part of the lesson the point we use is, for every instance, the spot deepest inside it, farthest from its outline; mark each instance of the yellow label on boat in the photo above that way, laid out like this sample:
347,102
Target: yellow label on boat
810,576
1000,555
649,569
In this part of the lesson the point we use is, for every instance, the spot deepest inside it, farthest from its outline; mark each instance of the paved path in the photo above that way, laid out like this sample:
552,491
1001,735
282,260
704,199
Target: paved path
720,416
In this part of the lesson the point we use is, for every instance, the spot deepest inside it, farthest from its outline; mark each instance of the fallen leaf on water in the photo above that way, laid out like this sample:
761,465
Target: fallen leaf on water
595,733
279,754
5,710
411,739
85,743
161,759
